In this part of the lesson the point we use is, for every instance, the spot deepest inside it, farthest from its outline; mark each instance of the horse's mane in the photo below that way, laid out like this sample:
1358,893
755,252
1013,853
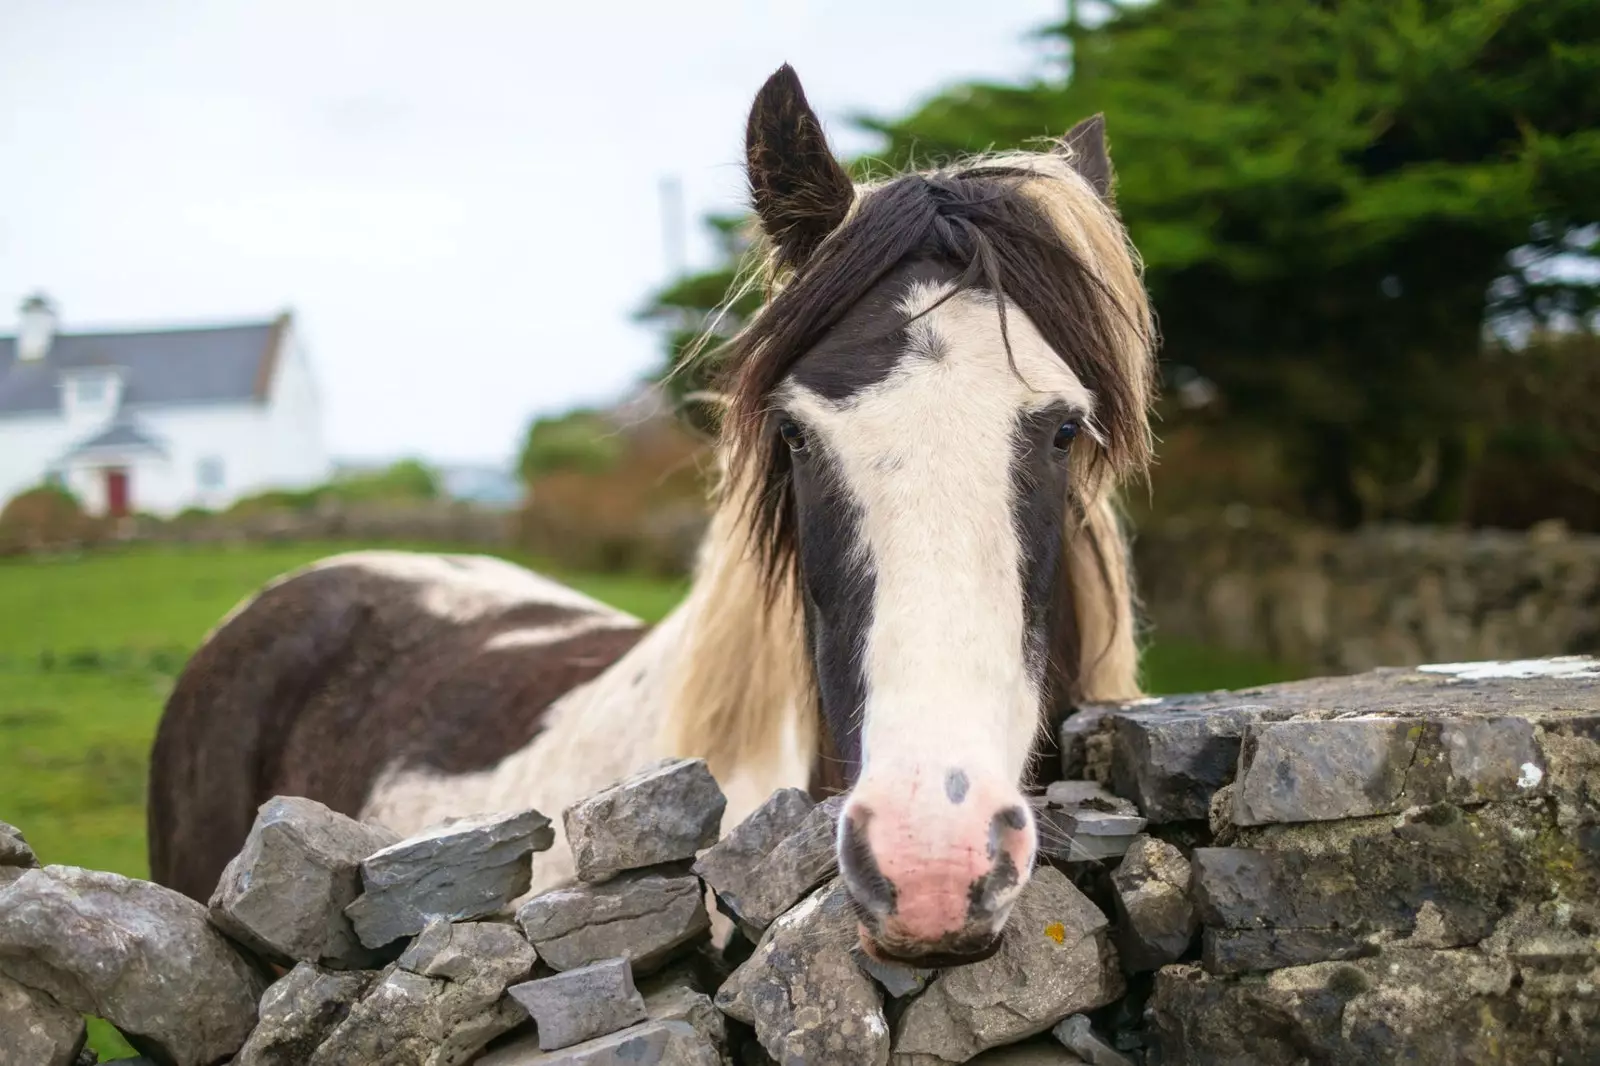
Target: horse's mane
1025,227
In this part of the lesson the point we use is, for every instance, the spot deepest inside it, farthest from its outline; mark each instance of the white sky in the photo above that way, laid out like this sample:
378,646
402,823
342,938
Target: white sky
459,201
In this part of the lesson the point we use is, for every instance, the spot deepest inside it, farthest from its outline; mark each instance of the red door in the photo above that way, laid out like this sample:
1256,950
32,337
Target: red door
117,493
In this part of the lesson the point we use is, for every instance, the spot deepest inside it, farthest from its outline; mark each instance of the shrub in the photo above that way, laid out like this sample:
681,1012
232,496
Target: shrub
46,518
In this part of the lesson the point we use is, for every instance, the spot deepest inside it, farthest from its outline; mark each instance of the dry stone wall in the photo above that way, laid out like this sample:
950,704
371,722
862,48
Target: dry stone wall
1342,602
1401,866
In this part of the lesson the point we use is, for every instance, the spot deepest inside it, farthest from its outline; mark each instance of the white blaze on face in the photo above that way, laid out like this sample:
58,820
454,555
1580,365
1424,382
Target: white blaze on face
927,456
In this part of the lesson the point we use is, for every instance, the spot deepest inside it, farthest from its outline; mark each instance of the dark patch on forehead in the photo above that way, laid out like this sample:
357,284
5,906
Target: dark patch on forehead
871,339
955,785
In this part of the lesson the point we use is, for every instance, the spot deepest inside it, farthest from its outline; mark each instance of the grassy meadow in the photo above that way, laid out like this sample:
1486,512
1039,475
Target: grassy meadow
90,645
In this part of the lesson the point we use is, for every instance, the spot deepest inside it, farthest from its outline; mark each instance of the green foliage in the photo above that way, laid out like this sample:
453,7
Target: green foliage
407,481
1332,202
583,440
1324,197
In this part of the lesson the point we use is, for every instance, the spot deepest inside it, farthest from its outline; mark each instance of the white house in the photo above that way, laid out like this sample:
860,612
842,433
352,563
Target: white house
161,420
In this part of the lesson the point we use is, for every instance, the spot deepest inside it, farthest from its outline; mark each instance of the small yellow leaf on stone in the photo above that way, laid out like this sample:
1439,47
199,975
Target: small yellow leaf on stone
1057,932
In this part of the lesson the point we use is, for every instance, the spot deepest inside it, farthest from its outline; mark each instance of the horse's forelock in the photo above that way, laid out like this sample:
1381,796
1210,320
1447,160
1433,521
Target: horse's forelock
1026,227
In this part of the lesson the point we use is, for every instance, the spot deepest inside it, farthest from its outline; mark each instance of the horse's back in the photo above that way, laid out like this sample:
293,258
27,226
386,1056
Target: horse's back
335,674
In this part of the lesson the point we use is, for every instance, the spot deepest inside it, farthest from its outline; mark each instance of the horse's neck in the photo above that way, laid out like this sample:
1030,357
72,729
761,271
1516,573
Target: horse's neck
594,735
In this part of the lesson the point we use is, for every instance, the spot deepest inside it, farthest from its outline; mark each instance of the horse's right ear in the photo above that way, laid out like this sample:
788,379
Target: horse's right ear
800,191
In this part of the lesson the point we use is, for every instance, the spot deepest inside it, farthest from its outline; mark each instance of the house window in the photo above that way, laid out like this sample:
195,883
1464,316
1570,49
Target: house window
90,391
210,473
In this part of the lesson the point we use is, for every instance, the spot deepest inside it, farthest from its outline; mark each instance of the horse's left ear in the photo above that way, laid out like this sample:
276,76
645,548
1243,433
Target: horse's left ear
800,191
1085,147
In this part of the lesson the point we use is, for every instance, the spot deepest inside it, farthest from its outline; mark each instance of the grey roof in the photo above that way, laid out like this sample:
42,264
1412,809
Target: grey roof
160,368
122,435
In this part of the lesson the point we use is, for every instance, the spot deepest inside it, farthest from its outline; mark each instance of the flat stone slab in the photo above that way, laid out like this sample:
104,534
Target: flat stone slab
645,916
467,868
1055,959
664,813
675,996
1170,755
651,1043
143,957
789,871
802,991
581,1004
35,1030
1155,918
284,894
298,1011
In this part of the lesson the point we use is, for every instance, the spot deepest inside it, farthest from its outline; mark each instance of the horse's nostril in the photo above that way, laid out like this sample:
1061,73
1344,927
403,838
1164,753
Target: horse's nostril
862,876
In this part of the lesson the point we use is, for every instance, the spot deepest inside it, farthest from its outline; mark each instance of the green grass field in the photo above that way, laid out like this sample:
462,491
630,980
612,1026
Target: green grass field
90,646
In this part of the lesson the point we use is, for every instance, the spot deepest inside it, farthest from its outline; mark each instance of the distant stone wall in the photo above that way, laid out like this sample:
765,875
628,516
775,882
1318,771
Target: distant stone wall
1384,596
422,523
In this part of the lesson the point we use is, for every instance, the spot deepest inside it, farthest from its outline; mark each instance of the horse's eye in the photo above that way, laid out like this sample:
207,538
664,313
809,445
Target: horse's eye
1065,434
792,435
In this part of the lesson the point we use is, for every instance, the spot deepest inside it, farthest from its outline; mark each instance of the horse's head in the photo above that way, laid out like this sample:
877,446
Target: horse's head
951,372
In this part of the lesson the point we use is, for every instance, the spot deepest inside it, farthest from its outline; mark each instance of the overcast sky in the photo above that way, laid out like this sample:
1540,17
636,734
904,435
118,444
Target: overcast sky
460,202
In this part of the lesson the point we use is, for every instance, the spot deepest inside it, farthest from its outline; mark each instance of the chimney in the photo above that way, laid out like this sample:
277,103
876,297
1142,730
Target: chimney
37,328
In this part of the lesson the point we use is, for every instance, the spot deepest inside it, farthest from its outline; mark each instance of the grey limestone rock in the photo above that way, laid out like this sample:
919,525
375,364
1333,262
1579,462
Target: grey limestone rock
792,868
1056,959
1312,770
487,952
35,1030
440,1004
298,1011
895,978
14,850
674,995
581,1004
284,894
664,813
645,916
142,957
467,868
1155,918
730,867
651,1043
1077,1034
1170,758
803,992
1081,833
1404,1005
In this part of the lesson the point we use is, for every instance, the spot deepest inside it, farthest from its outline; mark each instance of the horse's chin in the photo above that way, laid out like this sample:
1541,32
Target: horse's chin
936,956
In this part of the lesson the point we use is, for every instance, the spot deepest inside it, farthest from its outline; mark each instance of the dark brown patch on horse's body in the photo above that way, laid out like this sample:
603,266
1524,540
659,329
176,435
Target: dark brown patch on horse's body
332,677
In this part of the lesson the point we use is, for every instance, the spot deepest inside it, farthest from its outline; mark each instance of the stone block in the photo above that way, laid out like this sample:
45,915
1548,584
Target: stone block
1155,918
581,1004
1055,959
790,870
466,868
1077,1034
802,991
298,1012
731,867
35,1030
645,916
143,957
284,894
651,1043
664,813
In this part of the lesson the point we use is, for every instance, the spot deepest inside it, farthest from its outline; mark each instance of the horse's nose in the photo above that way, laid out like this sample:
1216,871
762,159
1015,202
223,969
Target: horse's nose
938,887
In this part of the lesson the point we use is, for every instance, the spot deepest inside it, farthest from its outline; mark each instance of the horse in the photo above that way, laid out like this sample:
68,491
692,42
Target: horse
913,567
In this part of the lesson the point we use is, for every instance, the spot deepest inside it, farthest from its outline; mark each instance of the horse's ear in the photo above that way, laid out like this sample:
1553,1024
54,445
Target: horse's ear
1085,147
801,193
